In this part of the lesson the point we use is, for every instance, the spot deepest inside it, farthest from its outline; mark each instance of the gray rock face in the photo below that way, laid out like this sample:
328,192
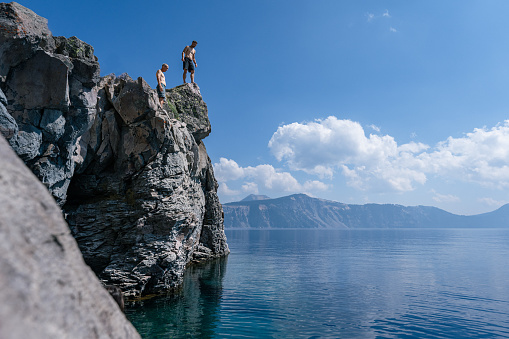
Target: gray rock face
22,33
135,181
8,126
144,203
47,290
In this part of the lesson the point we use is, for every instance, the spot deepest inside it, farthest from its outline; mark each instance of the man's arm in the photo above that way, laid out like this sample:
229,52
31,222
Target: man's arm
184,53
194,60
158,76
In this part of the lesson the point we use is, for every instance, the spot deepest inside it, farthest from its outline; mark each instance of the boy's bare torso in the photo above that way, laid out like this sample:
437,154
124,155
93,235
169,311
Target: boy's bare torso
160,76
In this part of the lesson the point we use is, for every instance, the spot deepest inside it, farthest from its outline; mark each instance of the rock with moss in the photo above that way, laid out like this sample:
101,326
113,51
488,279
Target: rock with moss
74,48
186,104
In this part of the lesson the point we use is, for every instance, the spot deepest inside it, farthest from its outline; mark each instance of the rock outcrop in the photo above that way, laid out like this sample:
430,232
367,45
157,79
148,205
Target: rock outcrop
143,201
134,180
47,290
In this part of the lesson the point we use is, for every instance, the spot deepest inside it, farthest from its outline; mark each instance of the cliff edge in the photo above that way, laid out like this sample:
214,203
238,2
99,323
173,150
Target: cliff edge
134,180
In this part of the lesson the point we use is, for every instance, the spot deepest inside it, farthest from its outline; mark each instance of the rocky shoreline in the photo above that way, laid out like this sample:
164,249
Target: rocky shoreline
133,180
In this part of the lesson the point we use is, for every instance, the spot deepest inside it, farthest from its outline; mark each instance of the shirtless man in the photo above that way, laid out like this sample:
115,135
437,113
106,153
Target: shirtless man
188,57
161,84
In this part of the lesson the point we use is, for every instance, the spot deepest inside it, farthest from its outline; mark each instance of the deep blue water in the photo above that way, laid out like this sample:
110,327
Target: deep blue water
403,283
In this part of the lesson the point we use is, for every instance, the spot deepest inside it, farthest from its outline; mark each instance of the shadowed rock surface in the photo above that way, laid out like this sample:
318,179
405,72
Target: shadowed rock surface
134,180
47,290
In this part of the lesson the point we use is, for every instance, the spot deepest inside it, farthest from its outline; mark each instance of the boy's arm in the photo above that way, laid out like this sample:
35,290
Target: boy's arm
158,76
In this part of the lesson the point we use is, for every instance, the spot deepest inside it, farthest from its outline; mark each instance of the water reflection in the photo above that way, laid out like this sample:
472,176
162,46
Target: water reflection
342,284
191,312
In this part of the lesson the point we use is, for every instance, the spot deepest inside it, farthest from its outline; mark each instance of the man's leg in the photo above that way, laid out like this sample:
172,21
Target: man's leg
184,76
192,76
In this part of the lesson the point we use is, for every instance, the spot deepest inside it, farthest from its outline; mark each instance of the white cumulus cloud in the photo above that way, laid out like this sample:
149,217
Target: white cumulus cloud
324,147
266,177
224,189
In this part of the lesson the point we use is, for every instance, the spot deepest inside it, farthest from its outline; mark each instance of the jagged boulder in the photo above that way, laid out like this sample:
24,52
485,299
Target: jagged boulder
22,32
47,290
50,87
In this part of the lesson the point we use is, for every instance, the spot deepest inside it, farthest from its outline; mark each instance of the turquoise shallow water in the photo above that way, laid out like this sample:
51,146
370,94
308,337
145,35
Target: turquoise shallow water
402,283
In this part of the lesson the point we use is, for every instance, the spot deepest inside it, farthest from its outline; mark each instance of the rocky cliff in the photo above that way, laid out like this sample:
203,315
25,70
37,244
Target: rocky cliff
302,211
134,179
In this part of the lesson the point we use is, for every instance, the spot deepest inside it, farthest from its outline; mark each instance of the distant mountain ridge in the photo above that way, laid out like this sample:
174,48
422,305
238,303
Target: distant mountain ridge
253,197
303,211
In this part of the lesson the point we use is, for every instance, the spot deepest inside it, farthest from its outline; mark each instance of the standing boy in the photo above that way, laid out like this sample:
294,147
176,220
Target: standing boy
161,83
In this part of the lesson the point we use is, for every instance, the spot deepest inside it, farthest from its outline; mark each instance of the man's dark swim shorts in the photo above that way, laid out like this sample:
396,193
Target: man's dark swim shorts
188,64
161,94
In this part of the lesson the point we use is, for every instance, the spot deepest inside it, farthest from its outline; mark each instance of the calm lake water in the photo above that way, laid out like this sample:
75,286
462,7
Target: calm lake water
403,283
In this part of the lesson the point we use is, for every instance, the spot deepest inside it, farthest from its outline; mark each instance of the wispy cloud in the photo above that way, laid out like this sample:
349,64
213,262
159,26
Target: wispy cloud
440,198
492,202
372,17
374,128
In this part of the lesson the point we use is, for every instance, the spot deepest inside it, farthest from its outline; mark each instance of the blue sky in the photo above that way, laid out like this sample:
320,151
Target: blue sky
354,101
